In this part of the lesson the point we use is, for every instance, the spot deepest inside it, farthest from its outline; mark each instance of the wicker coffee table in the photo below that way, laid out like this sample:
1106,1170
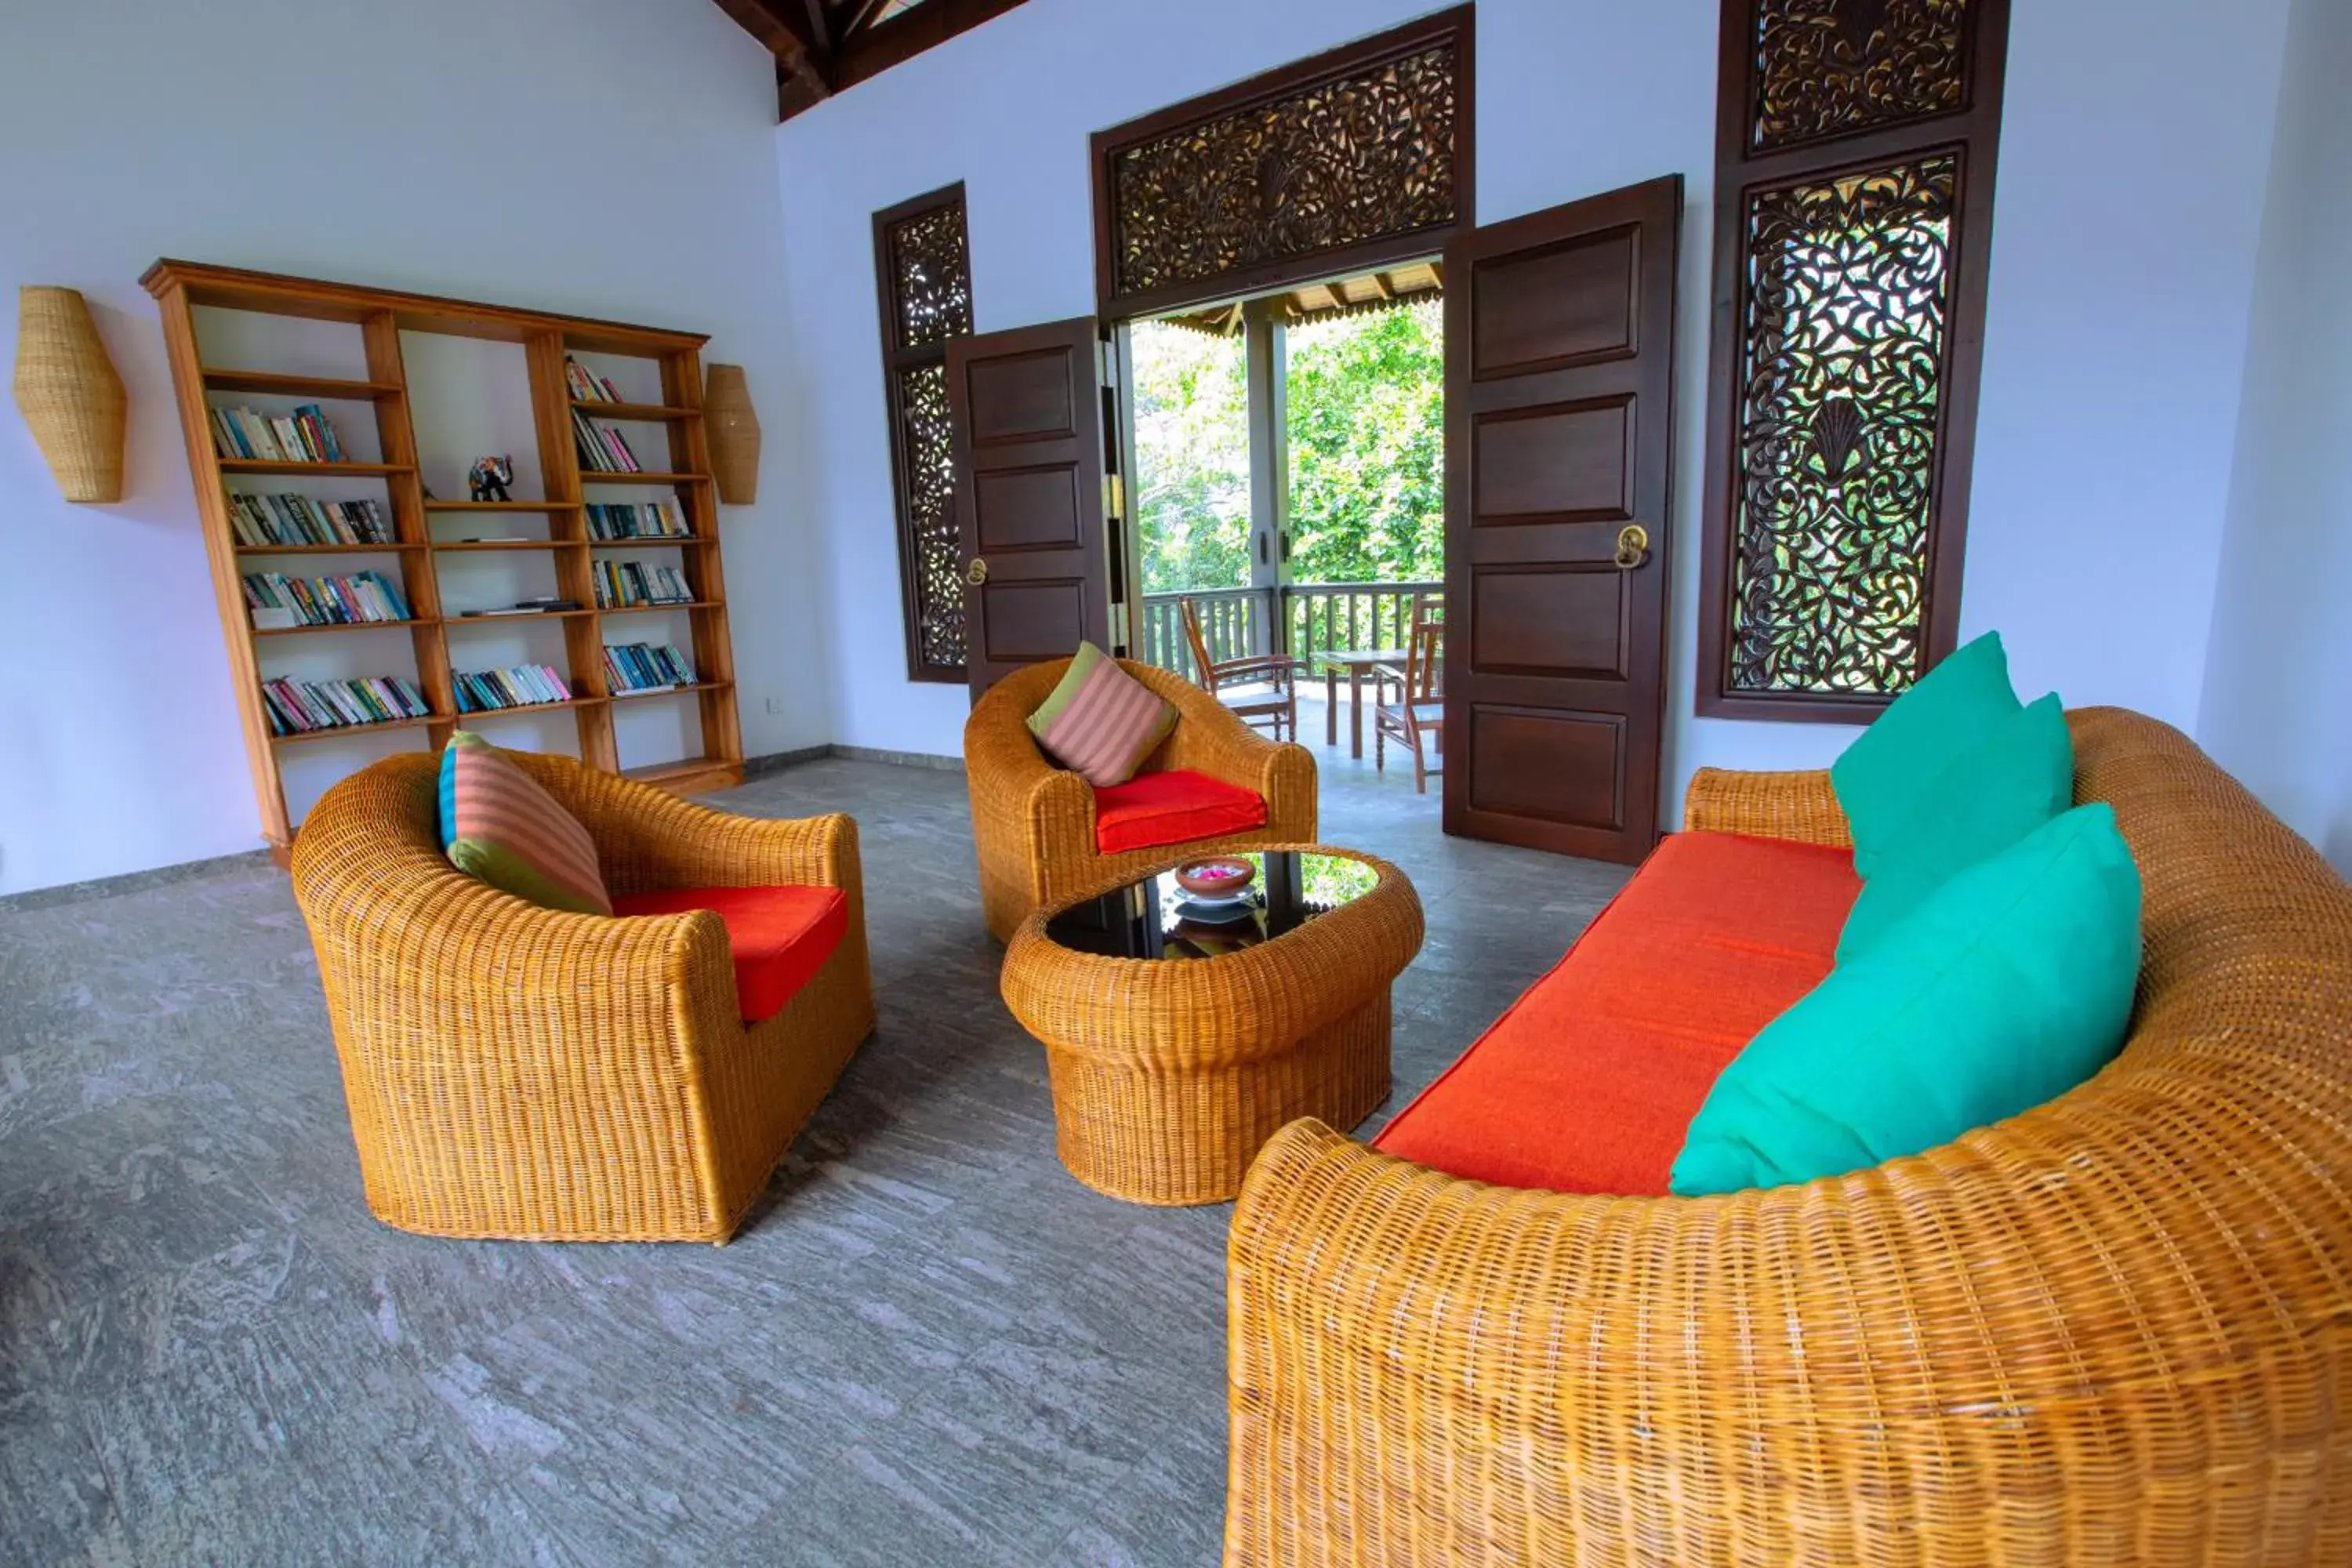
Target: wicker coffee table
1179,1037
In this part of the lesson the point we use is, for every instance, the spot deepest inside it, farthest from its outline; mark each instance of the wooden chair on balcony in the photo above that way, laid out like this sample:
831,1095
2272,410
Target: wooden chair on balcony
1261,690
1416,717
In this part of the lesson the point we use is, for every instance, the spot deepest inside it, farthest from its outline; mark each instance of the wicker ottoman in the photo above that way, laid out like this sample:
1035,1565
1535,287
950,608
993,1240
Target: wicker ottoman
1176,1048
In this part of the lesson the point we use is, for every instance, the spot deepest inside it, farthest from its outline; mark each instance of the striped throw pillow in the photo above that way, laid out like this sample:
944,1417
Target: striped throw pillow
1100,722
497,824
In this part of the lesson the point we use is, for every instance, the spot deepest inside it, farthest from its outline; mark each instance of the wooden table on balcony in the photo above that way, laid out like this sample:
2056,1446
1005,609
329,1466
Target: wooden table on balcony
1355,662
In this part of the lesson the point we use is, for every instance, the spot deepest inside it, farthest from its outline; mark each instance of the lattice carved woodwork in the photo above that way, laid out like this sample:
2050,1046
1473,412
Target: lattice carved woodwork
1367,147
1847,320
1856,140
1830,67
926,454
930,275
923,269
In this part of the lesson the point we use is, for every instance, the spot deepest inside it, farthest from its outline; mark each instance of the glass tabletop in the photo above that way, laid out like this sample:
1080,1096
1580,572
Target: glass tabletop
1210,905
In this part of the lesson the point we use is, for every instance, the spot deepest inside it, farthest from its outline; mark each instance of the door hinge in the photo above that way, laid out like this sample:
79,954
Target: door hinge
1113,497
1107,365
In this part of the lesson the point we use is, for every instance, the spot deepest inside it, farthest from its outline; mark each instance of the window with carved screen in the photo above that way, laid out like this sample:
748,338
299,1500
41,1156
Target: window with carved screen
924,273
1853,196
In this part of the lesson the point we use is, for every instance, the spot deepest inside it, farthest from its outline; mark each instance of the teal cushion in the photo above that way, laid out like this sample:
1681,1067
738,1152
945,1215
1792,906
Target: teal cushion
1988,799
1953,710
2010,985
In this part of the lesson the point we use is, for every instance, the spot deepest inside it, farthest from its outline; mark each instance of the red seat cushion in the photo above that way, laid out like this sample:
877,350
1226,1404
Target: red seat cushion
779,936
1173,807
1589,1082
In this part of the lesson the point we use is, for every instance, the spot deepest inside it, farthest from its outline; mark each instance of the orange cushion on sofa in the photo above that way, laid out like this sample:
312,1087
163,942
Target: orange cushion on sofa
779,936
1173,807
1589,1082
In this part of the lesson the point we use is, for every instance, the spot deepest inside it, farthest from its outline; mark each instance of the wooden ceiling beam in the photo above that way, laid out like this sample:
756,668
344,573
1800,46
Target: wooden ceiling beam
876,47
821,50
795,32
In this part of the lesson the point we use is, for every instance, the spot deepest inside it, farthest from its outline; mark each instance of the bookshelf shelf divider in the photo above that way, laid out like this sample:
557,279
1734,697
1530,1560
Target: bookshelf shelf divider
547,340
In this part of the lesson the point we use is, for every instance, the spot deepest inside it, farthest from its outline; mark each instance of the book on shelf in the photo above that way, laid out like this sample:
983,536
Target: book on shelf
621,585
306,435
300,707
516,685
586,386
540,606
266,519
645,519
356,599
646,666
603,449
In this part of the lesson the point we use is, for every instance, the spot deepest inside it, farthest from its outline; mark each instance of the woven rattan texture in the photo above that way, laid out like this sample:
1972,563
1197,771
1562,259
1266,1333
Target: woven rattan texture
1033,824
513,1071
1169,1075
2115,1331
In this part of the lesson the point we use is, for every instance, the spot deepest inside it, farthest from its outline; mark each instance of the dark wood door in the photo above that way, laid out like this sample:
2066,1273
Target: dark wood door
1560,349
1026,412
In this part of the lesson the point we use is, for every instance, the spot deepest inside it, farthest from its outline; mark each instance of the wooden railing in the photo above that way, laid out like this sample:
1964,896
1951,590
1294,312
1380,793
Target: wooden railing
1315,617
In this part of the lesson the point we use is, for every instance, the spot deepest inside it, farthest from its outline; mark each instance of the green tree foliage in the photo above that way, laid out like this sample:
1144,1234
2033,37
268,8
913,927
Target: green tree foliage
1368,447
1191,458
1367,451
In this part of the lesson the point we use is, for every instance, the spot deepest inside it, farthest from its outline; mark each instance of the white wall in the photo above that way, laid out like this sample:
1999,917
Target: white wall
2278,695
608,157
2129,199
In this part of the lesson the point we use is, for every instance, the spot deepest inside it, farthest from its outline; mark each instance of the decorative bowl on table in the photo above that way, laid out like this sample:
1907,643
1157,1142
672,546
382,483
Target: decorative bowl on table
1225,876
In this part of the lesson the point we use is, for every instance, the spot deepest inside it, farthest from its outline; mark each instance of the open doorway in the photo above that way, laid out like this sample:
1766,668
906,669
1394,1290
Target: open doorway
1288,475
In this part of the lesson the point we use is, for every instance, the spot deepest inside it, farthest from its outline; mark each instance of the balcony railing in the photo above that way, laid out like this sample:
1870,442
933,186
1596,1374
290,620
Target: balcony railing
1310,618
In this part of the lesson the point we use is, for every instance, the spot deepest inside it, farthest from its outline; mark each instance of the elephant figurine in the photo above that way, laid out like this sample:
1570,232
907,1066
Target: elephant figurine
489,477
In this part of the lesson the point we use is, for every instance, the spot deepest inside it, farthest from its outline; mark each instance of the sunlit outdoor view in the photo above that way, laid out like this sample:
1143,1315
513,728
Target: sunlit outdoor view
1191,458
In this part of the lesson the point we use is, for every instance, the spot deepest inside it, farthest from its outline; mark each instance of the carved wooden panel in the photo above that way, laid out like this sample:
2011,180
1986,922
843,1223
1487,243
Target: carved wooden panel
1027,508
1550,763
1037,619
1560,620
1826,68
1856,142
923,278
1554,464
1367,146
1021,397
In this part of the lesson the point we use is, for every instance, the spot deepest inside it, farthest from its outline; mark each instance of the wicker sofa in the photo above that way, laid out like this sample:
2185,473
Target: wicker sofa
514,1071
2116,1329
1034,823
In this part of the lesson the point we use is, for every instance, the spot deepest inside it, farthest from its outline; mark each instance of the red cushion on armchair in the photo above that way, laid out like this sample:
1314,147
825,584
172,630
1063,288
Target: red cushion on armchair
779,937
1173,807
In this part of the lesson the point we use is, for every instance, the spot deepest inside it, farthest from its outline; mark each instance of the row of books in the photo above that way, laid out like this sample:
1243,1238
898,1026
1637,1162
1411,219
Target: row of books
623,583
601,447
298,707
306,435
646,666
277,601
301,519
517,686
588,386
650,520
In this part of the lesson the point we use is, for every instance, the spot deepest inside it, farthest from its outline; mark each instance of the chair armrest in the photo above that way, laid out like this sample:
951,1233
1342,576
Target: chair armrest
1014,787
1284,667
648,838
1799,805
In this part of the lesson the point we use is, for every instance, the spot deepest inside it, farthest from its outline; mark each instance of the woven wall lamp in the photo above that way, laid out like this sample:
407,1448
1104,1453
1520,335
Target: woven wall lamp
68,390
734,430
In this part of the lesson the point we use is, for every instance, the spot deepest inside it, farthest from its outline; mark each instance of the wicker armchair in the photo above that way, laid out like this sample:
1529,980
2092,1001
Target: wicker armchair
1034,823
514,1071
2116,1329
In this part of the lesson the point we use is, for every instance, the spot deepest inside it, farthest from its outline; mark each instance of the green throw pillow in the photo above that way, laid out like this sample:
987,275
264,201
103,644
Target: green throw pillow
2006,987
1988,799
1954,710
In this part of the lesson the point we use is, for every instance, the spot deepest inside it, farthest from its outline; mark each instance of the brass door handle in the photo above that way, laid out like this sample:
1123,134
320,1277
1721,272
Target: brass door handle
977,573
1633,546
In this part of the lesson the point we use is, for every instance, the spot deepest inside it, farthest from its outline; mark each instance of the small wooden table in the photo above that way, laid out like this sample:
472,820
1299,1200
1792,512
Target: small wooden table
1355,664
1179,1038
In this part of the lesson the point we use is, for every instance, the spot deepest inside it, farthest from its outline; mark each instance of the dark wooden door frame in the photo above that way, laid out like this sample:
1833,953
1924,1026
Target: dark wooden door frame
1458,23
1520,675
1026,408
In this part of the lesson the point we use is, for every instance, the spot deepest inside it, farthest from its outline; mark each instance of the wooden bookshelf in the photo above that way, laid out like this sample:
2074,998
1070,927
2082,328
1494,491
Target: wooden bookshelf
382,316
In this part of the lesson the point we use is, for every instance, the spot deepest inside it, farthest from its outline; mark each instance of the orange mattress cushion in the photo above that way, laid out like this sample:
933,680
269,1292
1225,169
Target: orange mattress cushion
1172,808
1589,1082
779,936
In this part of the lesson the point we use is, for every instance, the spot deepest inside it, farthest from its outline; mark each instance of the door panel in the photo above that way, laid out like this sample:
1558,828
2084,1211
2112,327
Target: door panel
1559,425
1025,412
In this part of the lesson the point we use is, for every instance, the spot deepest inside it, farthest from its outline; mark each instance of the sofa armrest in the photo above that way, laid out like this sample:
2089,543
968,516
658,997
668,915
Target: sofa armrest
1799,805
647,839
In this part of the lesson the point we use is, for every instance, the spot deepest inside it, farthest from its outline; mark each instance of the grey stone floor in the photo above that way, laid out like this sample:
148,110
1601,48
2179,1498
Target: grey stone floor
929,1346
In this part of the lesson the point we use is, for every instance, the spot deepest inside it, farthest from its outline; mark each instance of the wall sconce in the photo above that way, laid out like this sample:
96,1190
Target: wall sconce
70,393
